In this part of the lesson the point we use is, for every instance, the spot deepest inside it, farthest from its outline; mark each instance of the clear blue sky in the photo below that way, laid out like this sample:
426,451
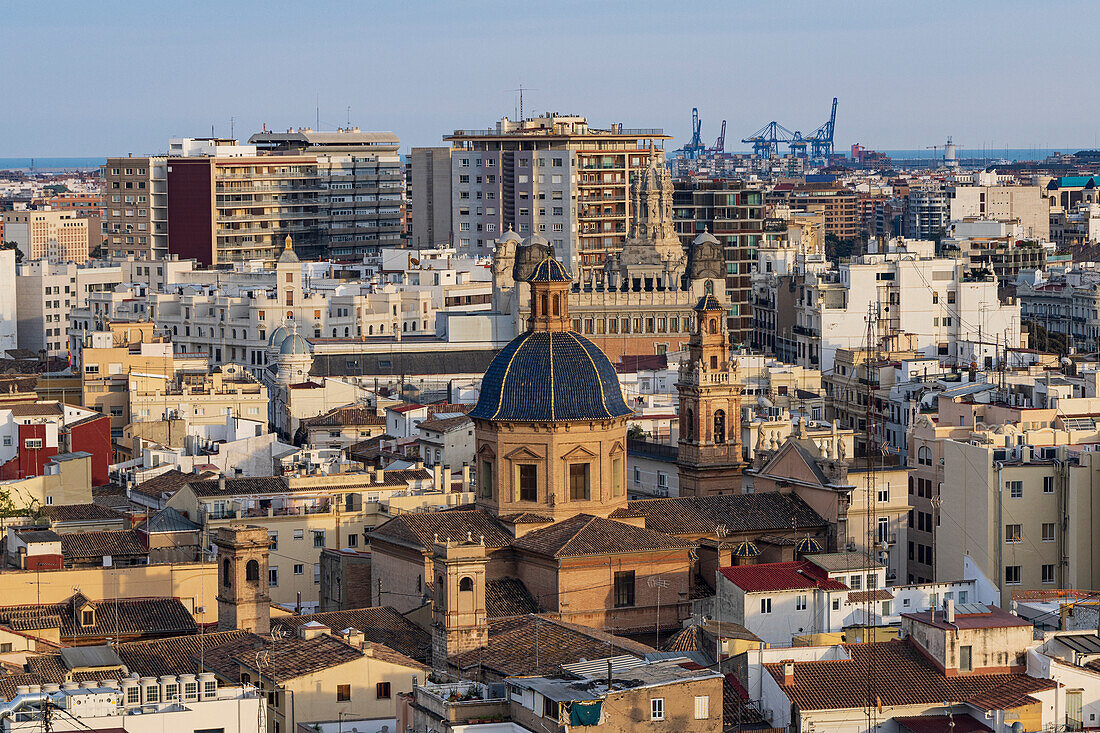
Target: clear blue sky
84,78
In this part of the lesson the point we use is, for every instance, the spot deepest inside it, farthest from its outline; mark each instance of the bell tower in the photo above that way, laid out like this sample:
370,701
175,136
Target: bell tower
243,599
459,618
709,458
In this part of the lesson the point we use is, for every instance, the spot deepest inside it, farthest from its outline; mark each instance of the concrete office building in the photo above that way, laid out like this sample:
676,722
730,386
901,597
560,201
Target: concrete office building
135,206
431,194
57,236
551,175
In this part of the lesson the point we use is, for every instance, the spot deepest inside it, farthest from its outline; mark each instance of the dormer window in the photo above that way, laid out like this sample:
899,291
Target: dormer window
87,617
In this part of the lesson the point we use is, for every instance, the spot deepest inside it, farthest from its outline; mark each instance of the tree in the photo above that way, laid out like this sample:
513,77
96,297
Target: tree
15,246
635,432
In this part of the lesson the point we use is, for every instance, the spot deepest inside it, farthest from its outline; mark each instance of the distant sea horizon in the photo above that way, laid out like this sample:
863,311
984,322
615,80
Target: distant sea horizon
58,165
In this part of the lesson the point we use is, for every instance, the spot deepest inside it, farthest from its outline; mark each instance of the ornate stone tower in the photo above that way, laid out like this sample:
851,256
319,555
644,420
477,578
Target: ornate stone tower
243,600
550,419
459,619
710,409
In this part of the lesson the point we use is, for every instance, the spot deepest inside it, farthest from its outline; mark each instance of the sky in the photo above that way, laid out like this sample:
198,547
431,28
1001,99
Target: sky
112,77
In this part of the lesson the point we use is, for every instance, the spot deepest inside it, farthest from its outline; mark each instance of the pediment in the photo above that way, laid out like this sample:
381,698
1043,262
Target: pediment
523,453
579,452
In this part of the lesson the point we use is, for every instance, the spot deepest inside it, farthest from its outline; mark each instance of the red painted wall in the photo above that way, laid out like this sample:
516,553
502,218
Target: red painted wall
45,562
94,436
28,461
191,209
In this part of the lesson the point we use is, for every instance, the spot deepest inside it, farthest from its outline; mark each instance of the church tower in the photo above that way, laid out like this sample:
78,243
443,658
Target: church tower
710,408
243,599
459,617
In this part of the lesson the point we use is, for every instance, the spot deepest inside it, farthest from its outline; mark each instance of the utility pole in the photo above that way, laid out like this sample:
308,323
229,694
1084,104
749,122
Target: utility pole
658,583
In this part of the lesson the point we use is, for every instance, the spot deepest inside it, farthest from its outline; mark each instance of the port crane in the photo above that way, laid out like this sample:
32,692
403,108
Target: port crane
765,141
695,148
821,139
720,143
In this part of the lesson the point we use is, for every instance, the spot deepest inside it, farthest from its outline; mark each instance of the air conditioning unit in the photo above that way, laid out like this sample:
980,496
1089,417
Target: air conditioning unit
200,609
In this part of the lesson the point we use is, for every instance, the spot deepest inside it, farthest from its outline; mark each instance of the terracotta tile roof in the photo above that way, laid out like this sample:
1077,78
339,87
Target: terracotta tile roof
537,645
736,712
445,424
88,545
166,483
769,511
80,513
239,486
383,652
9,683
508,597
899,676
776,576
525,518
295,657
690,639
379,624
36,409
585,534
996,618
181,654
141,617
344,416
419,529
862,596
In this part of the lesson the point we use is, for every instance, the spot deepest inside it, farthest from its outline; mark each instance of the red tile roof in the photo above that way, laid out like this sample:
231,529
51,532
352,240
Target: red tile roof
780,576
898,675
941,724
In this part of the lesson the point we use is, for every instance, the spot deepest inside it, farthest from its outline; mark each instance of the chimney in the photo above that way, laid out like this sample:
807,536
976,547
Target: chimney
949,610
221,483
465,476
380,476
419,464
437,477
788,672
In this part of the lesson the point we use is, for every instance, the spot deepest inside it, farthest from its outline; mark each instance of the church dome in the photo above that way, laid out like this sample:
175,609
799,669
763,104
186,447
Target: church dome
277,337
705,238
294,344
549,271
545,376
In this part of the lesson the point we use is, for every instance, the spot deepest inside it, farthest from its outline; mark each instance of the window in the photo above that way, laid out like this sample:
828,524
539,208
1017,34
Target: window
5,648
528,482
617,487
1048,573
485,481
273,577
580,475
466,584
624,589
299,569
1048,531
273,537
227,573
765,605
343,693
1015,489
702,707
966,658
657,708
252,571
353,540
550,709
1048,484
836,604
382,690
800,603
1012,575
32,443
318,538
87,617
637,475
1012,533
719,426
298,534
855,582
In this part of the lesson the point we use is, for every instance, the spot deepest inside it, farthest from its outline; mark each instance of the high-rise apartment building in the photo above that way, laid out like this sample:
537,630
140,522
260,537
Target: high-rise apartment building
135,206
361,192
734,214
927,212
839,206
431,197
43,234
552,175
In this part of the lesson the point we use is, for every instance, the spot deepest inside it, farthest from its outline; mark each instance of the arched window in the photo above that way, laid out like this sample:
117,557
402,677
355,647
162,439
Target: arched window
719,426
689,429
542,303
466,584
714,325
370,330
924,456
347,332
440,593
252,571
227,573
708,288
557,305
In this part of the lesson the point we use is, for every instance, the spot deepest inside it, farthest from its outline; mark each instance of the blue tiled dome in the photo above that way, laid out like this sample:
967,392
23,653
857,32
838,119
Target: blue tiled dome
708,303
294,344
549,271
277,337
550,375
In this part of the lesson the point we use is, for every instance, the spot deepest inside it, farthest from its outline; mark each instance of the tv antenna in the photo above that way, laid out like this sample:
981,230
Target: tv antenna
520,90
